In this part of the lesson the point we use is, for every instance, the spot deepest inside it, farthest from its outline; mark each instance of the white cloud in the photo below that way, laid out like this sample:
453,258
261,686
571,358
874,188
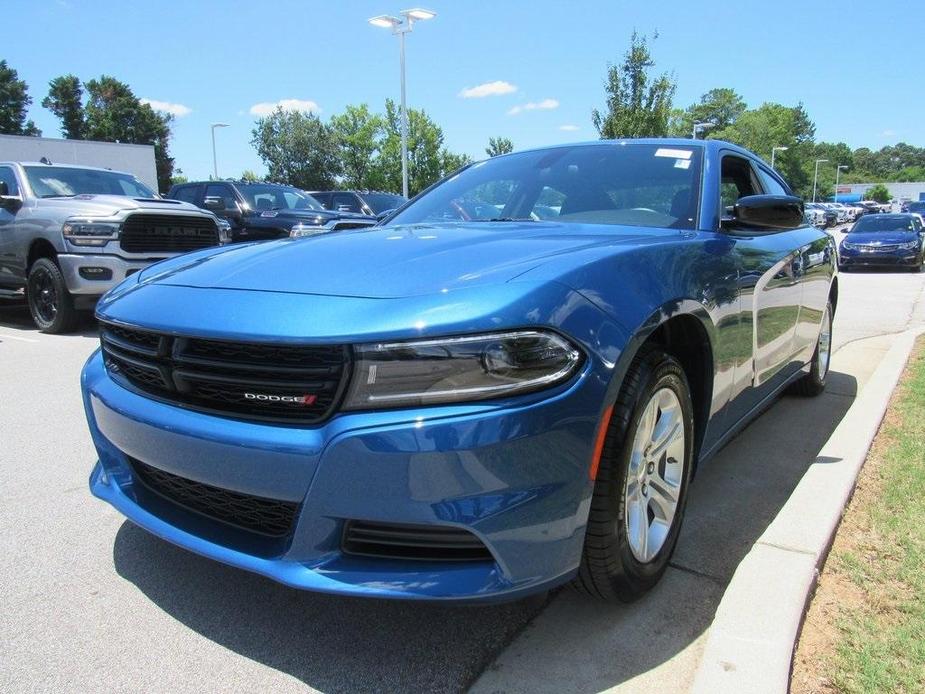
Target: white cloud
178,110
267,108
888,133
496,88
569,128
544,105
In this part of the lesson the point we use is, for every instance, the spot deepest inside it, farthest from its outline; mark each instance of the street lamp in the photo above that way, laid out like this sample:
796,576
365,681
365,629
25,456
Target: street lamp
775,150
838,170
214,160
700,127
401,27
816,177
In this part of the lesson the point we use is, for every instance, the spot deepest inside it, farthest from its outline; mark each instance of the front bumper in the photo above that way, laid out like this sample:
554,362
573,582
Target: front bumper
515,474
118,269
892,258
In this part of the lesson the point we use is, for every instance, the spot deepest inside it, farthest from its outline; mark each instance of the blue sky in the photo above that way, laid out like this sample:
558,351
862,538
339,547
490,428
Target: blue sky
857,66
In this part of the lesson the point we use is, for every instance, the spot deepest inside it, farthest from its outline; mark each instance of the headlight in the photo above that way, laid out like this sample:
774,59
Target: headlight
909,245
306,228
848,246
89,233
459,369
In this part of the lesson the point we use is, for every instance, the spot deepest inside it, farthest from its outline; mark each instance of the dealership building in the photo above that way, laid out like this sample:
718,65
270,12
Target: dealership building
852,192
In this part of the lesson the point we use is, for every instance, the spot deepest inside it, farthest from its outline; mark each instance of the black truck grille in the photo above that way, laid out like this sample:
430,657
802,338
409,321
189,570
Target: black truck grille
422,542
290,383
256,514
167,233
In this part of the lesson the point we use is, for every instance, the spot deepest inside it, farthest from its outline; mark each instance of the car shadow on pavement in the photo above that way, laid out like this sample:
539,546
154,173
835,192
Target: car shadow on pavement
341,644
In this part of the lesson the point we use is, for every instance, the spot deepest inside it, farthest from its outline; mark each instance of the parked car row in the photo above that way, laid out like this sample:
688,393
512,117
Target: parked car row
827,214
260,211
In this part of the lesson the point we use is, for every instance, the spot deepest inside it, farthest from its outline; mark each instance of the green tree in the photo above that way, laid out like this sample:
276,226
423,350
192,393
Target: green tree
65,100
249,176
428,161
178,178
106,109
357,132
14,103
638,102
499,145
720,106
297,149
879,192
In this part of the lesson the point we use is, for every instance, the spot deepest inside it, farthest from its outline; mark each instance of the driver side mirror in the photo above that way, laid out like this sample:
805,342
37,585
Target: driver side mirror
766,213
7,201
215,204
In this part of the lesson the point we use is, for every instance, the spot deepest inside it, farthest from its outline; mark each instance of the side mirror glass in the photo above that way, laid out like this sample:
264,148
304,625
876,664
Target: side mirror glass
766,213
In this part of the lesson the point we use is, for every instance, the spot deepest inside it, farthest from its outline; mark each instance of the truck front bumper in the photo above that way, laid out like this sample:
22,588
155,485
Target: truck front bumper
96,274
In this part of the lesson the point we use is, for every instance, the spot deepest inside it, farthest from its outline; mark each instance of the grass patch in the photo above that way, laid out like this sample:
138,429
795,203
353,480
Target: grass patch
865,630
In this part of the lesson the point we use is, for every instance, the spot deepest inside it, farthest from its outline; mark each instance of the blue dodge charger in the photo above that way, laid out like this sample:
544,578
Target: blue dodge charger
505,386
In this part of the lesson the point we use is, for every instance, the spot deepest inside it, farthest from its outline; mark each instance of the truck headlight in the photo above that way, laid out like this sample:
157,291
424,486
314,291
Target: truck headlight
224,230
89,232
459,369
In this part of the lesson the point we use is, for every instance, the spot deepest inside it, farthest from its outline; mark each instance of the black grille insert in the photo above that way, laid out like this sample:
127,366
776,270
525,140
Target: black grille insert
167,233
255,514
291,383
422,542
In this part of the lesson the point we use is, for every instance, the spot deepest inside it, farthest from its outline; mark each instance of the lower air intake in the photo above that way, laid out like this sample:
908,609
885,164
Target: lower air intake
420,542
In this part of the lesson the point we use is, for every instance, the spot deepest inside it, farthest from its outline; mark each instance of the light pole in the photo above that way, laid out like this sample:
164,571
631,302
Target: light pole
214,159
700,127
838,170
400,27
816,177
775,150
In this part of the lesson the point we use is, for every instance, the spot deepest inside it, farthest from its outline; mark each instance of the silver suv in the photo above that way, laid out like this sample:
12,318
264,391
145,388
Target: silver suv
69,233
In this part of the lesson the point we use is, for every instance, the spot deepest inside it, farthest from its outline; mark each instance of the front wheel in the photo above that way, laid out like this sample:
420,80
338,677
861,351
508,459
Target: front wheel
50,304
813,383
641,485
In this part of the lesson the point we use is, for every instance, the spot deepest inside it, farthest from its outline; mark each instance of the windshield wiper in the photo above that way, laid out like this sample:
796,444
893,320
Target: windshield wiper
505,219
53,195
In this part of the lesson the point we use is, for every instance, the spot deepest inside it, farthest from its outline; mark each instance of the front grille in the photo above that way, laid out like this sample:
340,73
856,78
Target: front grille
880,248
421,542
250,380
257,514
167,233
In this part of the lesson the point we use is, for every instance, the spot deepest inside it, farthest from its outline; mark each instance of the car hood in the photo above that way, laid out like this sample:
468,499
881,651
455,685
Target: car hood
880,238
400,261
107,205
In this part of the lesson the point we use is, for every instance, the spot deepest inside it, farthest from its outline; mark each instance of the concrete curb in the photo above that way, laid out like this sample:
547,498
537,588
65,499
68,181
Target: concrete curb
751,640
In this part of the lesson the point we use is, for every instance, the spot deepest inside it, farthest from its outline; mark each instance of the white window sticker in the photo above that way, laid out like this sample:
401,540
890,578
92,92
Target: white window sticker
682,163
673,153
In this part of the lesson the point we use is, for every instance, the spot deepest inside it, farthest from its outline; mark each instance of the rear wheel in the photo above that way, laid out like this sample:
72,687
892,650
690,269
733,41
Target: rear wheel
51,305
813,383
641,487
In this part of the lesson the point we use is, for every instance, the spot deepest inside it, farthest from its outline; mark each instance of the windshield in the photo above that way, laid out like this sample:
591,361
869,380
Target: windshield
884,222
916,207
268,197
615,183
58,181
380,202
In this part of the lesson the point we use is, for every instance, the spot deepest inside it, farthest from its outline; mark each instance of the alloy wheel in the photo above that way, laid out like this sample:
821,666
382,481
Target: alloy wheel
655,475
44,295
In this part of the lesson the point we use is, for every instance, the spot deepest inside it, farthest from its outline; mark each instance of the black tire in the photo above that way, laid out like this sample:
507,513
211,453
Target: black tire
813,383
609,570
51,305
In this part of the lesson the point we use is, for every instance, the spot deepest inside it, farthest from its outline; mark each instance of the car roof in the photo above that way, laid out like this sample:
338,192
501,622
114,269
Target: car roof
64,166
708,145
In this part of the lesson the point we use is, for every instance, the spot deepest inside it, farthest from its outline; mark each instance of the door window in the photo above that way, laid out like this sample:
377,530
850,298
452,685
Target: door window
224,192
187,194
770,183
8,177
345,201
738,180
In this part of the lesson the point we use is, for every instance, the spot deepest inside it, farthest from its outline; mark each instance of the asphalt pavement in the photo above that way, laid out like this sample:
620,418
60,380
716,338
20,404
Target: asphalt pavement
92,603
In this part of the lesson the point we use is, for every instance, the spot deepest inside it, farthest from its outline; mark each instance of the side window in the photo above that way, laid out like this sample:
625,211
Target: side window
738,180
8,177
770,184
324,199
187,194
224,192
346,201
